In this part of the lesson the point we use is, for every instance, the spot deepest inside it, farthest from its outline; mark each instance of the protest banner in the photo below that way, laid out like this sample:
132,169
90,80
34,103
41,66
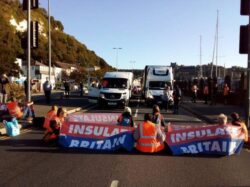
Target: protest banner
96,136
210,139
94,118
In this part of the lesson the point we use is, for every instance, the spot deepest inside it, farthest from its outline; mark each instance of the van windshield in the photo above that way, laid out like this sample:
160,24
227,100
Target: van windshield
158,85
114,83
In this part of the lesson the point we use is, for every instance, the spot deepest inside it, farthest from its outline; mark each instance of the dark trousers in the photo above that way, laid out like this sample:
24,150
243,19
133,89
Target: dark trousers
47,96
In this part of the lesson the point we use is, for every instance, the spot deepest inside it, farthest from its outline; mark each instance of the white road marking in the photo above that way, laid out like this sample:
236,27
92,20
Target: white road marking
114,183
136,111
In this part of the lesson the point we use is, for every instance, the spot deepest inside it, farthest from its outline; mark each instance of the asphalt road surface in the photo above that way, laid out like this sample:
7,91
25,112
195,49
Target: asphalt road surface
27,161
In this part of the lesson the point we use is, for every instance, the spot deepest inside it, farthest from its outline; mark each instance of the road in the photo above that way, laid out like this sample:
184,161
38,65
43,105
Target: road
27,161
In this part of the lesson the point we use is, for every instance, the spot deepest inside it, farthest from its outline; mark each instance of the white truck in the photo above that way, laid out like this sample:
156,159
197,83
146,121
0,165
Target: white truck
155,79
115,89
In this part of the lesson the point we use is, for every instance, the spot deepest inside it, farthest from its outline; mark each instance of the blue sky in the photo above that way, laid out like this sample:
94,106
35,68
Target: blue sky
154,31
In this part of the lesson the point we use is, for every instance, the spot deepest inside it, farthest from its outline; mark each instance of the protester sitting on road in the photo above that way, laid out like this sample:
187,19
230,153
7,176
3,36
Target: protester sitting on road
49,116
222,119
237,122
58,120
157,117
20,112
126,119
149,136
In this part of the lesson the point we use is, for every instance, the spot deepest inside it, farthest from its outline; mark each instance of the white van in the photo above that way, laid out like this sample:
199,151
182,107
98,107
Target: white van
115,89
155,79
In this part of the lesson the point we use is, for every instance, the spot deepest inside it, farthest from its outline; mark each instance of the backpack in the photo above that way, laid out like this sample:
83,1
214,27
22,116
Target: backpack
126,120
11,127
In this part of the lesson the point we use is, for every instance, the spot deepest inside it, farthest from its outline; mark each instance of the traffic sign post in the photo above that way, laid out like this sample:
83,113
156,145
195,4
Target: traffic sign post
245,49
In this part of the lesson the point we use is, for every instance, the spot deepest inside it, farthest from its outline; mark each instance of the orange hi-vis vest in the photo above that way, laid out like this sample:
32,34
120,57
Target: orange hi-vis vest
14,109
148,141
50,115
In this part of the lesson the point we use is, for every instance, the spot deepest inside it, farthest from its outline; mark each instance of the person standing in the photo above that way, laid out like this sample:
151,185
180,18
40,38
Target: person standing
177,98
66,89
149,136
225,93
81,89
206,93
4,81
194,93
47,87
167,97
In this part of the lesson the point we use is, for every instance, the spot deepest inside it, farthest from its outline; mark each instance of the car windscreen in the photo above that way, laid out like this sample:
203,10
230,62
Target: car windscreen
114,83
158,85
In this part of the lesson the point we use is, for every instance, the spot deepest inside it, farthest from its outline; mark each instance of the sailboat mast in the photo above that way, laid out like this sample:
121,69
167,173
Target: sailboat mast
201,73
217,42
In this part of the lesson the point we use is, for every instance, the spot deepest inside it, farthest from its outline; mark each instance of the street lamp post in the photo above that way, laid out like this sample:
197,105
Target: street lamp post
49,43
117,48
133,63
28,52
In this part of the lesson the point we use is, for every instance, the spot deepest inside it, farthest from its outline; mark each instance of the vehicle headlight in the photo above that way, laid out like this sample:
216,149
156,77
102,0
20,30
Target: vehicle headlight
150,96
102,96
124,95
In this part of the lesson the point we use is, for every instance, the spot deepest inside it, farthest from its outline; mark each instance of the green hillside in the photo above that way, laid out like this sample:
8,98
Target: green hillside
65,48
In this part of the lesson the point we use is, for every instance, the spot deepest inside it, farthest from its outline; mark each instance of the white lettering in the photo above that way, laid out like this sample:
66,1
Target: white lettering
107,145
181,137
74,143
84,144
219,131
215,146
71,127
79,129
98,131
89,130
206,144
192,149
106,132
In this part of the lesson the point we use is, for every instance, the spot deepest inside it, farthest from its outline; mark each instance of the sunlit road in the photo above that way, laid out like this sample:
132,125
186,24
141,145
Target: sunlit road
26,161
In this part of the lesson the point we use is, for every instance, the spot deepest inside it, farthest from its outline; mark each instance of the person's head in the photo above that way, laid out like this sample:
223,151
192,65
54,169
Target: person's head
13,99
147,117
222,119
54,108
61,112
156,109
127,110
235,116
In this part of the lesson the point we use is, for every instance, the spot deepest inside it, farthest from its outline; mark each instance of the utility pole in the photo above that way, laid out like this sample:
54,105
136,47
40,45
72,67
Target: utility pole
117,48
201,72
28,51
245,49
217,41
49,43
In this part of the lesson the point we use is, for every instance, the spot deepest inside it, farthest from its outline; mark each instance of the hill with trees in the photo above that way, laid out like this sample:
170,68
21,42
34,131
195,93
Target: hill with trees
65,48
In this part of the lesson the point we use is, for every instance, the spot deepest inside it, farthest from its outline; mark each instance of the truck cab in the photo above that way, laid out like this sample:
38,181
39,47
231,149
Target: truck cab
114,90
155,79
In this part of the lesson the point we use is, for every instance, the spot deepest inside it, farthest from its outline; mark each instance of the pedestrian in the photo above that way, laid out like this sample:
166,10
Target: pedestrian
126,119
177,98
47,87
205,93
81,89
194,90
4,81
214,91
157,117
237,122
55,126
222,119
149,137
225,93
167,98
66,89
